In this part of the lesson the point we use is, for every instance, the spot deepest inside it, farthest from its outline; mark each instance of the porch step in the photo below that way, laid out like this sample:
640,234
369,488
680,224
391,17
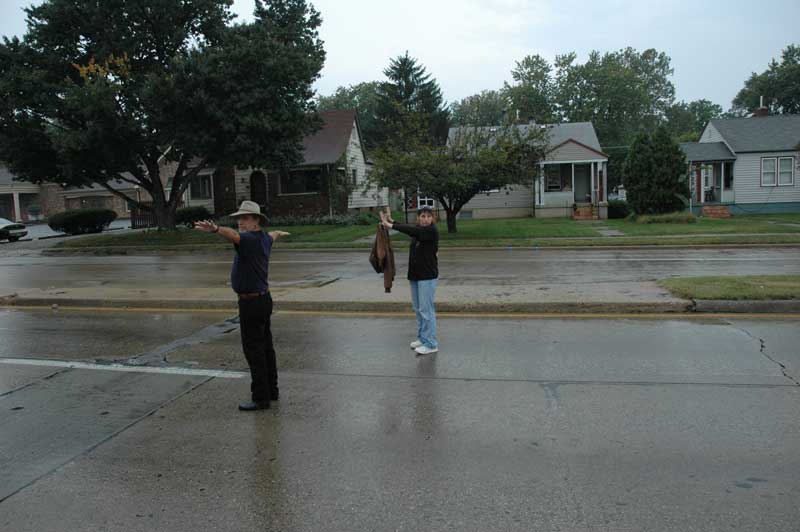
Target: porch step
716,211
585,212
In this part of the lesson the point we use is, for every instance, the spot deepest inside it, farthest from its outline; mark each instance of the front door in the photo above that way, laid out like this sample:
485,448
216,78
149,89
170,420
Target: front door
258,188
583,186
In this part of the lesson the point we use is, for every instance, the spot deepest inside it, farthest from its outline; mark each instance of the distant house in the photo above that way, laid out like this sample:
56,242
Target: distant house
332,157
16,197
333,178
746,165
572,180
22,201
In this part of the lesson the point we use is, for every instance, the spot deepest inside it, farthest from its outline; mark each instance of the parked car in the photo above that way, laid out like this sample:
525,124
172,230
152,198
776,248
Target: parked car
11,231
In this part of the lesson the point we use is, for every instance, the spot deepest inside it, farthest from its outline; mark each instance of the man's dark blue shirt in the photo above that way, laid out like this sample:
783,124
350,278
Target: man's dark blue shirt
251,263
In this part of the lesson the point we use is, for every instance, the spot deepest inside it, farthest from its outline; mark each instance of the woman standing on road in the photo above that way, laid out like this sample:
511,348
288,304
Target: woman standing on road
423,274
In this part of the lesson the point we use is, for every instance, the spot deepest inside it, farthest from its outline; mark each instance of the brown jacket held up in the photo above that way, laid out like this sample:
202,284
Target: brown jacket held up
382,257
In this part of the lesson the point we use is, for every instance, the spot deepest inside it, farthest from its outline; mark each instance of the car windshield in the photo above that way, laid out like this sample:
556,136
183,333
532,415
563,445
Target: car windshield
3,221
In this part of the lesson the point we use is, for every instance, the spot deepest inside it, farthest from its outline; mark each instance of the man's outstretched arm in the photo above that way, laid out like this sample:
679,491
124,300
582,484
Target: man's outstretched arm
277,234
208,226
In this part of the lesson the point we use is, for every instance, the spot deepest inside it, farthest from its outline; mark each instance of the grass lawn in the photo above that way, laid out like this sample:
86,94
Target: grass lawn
513,228
520,232
761,223
735,288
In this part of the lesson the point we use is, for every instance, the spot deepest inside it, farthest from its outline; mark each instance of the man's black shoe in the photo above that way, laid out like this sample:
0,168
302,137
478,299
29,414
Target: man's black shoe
254,405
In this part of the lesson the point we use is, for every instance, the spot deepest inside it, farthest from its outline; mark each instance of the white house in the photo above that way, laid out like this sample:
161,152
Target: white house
570,181
746,165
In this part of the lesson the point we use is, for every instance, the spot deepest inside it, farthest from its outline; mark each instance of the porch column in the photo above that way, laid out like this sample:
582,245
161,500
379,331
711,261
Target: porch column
541,184
17,212
701,189
573,182
722,183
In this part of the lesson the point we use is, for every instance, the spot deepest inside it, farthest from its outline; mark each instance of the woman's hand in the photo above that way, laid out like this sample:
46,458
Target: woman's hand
388,214
385,220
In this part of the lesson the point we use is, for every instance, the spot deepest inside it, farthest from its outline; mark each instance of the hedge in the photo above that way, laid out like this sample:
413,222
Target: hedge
617,209
188,215
82,221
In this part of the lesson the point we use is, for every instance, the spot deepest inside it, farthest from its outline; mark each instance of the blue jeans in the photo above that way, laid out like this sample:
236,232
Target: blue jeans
422,294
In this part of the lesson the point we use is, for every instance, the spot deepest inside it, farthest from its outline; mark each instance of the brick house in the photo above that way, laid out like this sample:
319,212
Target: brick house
331,156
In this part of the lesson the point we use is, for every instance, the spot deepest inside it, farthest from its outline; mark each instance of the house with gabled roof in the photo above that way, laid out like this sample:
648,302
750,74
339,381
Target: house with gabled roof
746,165
333,157
572,180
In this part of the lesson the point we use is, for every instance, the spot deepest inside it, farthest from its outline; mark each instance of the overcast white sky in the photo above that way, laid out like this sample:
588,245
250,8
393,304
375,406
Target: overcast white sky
471,45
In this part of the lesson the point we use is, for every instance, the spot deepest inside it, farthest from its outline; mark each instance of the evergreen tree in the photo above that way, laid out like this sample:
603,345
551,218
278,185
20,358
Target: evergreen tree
655,174
411,99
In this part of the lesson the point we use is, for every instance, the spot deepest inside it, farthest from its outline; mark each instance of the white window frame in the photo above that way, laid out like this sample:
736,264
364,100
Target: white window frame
775,171
547,187
425,201
791,170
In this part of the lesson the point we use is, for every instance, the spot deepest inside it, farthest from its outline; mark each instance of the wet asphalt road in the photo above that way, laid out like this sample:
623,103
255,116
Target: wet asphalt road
507,267
517,424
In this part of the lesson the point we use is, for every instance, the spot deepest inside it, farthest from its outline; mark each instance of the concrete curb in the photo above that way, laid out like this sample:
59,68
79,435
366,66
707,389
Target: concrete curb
568,307
749,306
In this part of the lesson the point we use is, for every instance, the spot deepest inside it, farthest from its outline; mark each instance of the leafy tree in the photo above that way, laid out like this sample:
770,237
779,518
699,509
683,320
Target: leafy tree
680,122
473,161
532,93
365,99
703,112
410,94
686,122
622,93
779,85
489,108
655,174
104,91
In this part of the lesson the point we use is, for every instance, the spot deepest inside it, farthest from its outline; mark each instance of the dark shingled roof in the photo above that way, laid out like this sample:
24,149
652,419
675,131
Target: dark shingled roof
707,151
765,133
328,144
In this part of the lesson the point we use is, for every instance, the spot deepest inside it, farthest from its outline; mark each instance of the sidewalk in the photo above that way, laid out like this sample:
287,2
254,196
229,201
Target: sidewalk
367,295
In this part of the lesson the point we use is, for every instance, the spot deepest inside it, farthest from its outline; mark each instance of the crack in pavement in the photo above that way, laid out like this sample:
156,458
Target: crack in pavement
158,356
763,351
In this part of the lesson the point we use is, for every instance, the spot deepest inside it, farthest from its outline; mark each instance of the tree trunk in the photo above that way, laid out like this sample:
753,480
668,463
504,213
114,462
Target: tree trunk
163,210
451,221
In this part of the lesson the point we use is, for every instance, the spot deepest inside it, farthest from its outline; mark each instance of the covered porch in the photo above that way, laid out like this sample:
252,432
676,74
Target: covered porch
579,187
710,173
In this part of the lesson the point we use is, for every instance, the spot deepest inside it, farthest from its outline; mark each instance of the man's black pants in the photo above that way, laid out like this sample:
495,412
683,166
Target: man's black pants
254,322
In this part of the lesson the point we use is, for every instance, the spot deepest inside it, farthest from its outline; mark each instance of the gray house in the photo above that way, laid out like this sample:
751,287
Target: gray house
746,165
570,181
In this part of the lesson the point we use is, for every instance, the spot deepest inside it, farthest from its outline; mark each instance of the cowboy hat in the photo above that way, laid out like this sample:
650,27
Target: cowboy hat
249,208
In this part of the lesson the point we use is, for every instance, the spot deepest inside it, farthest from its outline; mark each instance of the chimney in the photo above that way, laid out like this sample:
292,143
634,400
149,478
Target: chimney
761,111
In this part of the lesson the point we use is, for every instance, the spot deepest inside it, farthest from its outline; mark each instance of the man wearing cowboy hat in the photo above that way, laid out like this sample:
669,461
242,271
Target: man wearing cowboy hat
249,281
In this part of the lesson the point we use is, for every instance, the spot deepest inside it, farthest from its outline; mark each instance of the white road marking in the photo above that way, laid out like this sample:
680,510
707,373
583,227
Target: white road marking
224,374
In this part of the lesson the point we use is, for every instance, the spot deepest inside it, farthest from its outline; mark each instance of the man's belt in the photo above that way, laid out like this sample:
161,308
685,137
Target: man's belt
253,295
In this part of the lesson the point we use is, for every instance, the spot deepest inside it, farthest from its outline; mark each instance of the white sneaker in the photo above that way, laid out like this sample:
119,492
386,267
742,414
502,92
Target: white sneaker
415,344
425,350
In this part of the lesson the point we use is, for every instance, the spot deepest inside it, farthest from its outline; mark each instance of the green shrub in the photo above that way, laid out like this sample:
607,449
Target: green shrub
81,221
366,218
617,209
189,215
669,218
